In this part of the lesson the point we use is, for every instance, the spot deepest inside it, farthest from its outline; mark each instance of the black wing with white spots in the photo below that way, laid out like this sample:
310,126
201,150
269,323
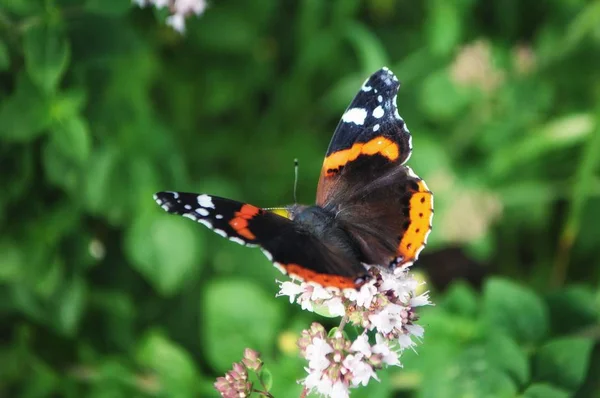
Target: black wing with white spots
291,249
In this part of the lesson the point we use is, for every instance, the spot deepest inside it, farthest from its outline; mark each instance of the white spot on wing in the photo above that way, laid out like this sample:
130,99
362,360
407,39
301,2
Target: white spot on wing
219,216
205,223
187,207
376,127
165,207
279,267
379,98
419,250
205,201
190,216
267,254
220,232
202,212
411,173
427,235
355,115
366,88
237,240
378,112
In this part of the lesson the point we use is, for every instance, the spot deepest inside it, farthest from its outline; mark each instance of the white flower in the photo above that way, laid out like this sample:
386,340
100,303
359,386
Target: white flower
405,341
388,319
320,293
362,297
362,372
420,300
177,22
316,353
335,307
415,330
160,3
388,356
187,6
361,345
290,289
180,10
339,390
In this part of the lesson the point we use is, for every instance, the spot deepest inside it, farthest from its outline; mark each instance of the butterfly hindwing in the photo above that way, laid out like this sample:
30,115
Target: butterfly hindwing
291,249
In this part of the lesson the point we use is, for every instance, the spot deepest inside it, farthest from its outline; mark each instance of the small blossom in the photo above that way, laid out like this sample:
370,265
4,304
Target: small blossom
177,22
235,383
179,9
335,306
252,360
290,289
420,300
361,344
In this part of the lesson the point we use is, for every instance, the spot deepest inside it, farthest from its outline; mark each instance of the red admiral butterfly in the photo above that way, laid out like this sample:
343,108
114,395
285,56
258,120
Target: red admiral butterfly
370,207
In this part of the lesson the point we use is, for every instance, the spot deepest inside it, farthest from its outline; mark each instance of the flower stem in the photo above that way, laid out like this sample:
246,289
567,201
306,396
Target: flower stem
343,322
262,383
265,393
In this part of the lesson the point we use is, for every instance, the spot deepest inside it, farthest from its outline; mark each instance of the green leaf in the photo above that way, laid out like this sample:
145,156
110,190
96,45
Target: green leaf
66,152
46,55
175,366
442,99
503,353
368,47
573,308
167,250
468,375
112,8
267,378
71,305
540,390
237,314
12,262
564,362
461,299
25,114
71,137
444,26
515,310
4,57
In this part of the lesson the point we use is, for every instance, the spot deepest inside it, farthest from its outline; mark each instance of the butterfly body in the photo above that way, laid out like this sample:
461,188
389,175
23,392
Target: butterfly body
370,208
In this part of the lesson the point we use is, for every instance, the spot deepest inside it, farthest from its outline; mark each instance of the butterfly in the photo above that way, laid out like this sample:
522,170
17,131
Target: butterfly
370,207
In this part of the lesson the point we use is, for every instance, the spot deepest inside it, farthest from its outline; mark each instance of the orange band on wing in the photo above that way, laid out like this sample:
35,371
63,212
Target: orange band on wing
240,222
325,280
420,214
378,145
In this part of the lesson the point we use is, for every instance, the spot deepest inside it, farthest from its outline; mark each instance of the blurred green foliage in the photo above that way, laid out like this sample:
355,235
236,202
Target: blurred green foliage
102,294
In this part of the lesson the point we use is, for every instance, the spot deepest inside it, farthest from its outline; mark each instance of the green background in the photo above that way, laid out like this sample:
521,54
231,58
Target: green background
103,294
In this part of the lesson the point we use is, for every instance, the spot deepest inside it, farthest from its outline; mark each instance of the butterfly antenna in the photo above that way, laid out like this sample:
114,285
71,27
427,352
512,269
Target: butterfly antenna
295,179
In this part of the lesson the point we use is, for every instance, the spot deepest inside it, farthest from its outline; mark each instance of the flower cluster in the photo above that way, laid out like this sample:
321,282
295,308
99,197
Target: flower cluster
179,10
385,304
335,363
236,384
383,307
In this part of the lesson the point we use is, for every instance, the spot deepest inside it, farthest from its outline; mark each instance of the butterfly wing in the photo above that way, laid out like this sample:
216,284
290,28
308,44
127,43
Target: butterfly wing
370,138
384,204
292,250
